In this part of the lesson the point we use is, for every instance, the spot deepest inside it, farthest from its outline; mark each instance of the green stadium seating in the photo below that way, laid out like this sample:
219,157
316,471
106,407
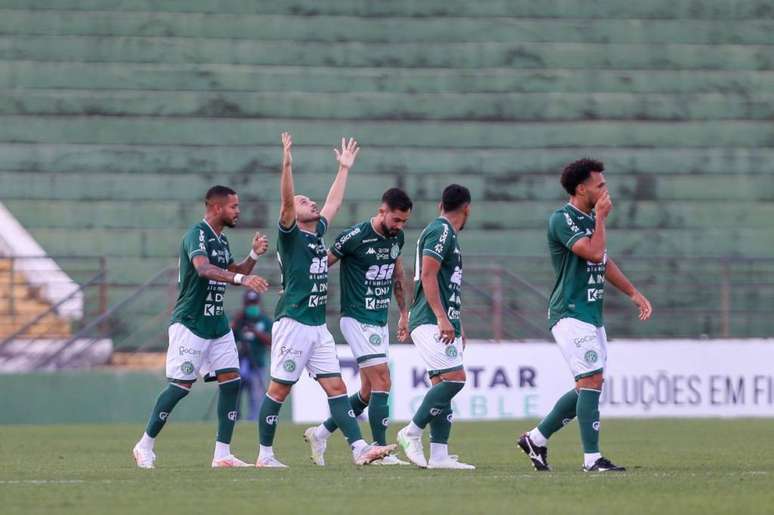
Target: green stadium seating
117,115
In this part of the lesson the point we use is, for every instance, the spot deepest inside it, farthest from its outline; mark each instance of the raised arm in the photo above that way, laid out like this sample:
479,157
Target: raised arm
402,297
593,249
209,271
429,278
260,244
616,277
287,193
346,158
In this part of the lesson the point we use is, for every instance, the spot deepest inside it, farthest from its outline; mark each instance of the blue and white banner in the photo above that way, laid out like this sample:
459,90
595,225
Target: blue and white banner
673,378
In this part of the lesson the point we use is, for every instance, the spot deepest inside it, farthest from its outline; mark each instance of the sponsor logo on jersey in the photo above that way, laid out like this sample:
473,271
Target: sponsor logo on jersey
344,239
370,251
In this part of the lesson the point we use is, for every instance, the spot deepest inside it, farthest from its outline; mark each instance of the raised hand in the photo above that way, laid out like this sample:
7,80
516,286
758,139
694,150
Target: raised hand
287,143
346,156
603,206
255,283
260,243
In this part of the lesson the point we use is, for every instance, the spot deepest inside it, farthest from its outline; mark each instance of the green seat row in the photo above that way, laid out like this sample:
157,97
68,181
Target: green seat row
391,106
224,163
290,77
405,55
657,9
399,29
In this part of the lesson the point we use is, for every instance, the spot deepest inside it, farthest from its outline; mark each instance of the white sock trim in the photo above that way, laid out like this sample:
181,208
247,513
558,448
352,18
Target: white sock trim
439,451
181,387
589,458
322,432
275,400
146,441
536,436
265,451
414,429
221,450
230,380
339,396
591,390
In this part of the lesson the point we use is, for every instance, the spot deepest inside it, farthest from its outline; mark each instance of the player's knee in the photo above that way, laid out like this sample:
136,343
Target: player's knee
458,376
183,386
278,391
228,376
594,382
379,378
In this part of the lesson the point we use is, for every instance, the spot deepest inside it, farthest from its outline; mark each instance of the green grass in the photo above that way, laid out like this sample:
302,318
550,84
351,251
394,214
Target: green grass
675,466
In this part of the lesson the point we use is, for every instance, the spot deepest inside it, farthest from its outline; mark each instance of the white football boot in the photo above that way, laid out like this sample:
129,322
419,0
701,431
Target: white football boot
451,462
412,446
229,461
371,453
270,462
317,445
144,457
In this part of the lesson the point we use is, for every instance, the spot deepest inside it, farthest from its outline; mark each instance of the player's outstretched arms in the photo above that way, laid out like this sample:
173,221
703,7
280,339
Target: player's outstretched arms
346,157
209,271
259,247
287,192
616,277
593,249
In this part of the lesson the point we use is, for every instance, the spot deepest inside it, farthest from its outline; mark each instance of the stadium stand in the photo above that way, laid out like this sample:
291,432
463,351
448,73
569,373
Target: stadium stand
117,115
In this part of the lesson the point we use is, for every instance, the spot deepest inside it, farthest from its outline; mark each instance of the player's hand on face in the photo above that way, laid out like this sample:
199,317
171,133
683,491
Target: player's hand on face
403,331
604,205
260,243
644,304
348,152
446,330
287,143
255,283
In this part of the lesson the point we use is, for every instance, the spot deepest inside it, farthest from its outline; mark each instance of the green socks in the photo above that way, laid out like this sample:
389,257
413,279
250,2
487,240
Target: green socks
437,399
358,406
562,413
228,394
440,426
379,416
164,405
343,415
588,419
268,418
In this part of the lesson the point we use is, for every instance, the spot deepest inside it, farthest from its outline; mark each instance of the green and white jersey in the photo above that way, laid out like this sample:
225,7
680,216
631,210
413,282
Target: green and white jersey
579,289
439,241
303,261
199,304
367,266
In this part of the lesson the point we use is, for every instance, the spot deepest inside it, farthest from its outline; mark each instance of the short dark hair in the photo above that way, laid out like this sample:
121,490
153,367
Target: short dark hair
396,198
218,192
578,171
454,197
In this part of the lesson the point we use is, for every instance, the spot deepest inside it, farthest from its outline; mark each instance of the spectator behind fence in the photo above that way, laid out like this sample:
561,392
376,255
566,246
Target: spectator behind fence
252,329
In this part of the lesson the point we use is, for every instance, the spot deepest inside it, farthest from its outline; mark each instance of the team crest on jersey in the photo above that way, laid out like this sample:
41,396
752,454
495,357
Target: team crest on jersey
394,251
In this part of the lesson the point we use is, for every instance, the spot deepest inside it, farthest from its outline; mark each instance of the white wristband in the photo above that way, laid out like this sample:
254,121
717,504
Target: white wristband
238,278
253,255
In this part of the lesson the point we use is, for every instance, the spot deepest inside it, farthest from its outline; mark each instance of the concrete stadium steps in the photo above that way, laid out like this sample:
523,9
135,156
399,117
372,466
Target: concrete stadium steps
403,55
399,29
327,79
169,214
225,164
390,106
656,9
463,134
527,242
483,187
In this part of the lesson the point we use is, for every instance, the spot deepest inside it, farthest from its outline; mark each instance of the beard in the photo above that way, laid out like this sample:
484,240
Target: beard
387,231
230,223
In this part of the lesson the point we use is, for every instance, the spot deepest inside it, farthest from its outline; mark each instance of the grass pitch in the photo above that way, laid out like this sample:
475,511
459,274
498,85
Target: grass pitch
675,466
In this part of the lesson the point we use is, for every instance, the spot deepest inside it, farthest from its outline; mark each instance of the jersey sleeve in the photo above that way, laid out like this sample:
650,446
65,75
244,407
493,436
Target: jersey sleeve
437,243
286,236
345,242
563,229
194,243
322,226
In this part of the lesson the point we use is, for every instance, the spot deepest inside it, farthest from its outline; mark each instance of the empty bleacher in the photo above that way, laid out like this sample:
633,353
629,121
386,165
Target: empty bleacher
116,116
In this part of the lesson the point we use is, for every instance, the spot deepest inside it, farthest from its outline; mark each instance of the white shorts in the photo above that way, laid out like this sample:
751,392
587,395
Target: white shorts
438,356
189,355
369,343
583,345
295,346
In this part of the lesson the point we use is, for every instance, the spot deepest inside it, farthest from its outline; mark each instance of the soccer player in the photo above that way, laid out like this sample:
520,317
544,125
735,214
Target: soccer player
300,338
371,267
577,242
200,339
436,330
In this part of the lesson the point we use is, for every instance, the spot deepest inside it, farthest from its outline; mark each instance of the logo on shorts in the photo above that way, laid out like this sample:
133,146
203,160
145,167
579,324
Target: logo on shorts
232,415
272,419
187,367
434,412
289,365
163,415
385,421
451,351
595,425
590,356
375,340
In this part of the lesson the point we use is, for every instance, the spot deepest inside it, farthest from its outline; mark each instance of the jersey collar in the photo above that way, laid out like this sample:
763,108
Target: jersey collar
212,230
581,212
448,222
